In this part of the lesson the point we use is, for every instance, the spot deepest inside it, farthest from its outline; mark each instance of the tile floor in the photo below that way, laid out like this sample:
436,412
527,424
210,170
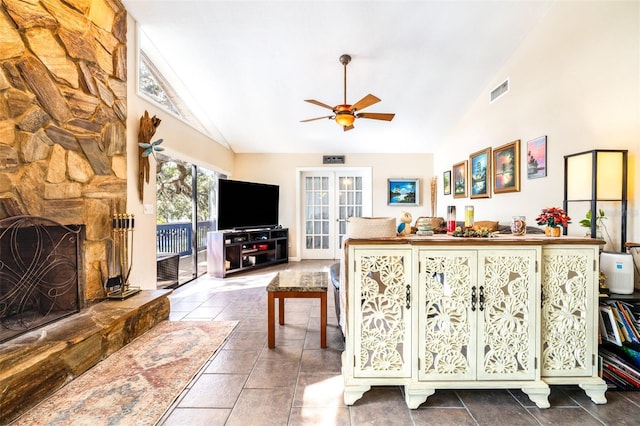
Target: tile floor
297,383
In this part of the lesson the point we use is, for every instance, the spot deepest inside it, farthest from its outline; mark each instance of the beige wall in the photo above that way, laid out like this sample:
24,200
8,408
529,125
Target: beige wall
576,79
281,169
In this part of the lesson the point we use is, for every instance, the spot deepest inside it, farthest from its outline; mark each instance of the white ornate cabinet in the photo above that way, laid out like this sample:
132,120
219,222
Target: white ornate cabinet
441,312
569,318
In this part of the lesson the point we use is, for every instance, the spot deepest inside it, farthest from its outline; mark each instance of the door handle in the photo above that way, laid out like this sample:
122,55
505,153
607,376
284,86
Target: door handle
408,296
474,298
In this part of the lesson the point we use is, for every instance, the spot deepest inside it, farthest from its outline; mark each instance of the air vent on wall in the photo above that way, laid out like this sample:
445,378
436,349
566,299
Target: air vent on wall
333,159
500,90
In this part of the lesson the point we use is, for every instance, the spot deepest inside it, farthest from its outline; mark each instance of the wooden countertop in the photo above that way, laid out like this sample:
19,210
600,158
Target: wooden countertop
497,240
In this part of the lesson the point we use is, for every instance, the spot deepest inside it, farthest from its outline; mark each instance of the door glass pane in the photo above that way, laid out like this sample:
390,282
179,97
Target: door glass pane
358,183
316,194
350,202
206,198
185,213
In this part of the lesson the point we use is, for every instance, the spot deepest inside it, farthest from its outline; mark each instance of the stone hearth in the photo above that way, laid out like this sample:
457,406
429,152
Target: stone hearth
36,364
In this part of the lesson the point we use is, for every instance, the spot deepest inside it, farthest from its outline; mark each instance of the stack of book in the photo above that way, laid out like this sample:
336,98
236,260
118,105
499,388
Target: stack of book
620,335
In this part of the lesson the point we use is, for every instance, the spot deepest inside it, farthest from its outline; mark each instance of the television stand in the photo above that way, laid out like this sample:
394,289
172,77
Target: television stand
231,252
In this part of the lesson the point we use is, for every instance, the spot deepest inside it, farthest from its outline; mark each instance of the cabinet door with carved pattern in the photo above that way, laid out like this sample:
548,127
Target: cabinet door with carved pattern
569,328
447,318
381,305
508,309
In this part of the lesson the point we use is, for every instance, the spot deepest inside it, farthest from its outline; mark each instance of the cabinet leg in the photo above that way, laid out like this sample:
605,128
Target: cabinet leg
416,395
595,389
352,393
539,394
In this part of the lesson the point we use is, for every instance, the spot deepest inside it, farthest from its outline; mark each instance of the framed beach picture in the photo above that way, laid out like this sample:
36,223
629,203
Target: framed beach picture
446,182
479,174
537,158
506,168
460,179
403,192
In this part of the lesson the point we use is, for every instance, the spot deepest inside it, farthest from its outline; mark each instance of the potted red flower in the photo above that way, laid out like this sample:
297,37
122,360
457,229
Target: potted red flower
553,218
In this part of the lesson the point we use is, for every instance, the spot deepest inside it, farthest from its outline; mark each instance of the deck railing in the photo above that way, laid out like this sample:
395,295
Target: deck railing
176,237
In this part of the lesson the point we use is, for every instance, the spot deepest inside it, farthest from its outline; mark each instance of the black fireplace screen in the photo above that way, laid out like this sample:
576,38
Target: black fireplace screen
40,263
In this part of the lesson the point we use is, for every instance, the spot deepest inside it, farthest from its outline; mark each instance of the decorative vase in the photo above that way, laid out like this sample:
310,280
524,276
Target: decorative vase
518,225
552,232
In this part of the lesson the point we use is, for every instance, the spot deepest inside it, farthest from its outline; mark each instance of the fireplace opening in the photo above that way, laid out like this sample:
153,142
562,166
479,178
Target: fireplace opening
40,269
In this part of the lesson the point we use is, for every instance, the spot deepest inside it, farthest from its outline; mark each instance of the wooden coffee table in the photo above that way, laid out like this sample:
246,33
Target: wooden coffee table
297,284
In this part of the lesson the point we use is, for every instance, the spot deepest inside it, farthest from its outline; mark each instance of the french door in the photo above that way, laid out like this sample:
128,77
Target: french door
329,199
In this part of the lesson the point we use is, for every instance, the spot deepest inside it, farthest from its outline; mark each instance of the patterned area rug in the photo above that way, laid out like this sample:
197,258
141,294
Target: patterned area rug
135,385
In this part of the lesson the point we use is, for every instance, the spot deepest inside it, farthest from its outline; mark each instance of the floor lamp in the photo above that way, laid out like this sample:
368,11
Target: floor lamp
596,176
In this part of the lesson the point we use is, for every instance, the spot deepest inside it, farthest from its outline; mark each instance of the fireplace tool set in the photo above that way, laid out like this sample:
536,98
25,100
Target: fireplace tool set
122,257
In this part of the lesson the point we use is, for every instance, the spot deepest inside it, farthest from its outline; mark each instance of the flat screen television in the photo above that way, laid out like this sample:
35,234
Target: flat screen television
247,205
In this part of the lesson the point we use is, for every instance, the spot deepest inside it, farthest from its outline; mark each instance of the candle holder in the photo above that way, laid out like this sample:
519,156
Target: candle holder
118,286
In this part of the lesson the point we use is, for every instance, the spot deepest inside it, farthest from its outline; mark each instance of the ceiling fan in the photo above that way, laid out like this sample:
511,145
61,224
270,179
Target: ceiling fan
346,114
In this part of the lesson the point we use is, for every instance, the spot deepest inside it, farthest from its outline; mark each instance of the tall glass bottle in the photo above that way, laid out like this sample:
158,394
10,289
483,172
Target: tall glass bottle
451,218
468,216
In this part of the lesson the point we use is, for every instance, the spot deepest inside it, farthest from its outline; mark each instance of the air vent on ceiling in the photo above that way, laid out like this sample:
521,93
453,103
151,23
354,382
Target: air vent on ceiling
500,90
333,159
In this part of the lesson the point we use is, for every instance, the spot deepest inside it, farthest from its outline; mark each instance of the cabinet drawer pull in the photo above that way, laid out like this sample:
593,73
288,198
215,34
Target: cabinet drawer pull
408,296
474,298
482,298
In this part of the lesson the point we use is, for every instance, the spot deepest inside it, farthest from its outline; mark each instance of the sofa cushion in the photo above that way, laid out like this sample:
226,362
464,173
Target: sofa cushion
371,227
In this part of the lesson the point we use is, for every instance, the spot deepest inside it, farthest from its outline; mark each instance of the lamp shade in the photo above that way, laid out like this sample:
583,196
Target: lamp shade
607,166
345,118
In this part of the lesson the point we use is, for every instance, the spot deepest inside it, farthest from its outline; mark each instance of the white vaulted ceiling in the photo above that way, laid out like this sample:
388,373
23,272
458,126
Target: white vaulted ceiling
247,66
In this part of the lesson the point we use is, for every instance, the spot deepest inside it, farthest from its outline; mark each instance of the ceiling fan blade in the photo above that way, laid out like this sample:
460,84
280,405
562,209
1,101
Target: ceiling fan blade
317,118
365,102
348,127
376,115
320,104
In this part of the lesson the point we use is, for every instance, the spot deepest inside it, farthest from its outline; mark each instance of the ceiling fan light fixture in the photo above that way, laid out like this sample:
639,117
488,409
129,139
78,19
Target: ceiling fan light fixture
345,114
345,118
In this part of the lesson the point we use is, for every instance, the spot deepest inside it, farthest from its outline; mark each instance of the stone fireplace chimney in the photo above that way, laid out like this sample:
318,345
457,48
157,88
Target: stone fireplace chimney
62,119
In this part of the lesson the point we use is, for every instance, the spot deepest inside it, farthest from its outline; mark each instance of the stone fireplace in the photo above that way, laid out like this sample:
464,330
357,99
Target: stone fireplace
63,149
63,121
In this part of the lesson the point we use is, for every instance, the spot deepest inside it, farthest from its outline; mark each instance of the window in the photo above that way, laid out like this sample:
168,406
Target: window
151,86
157,82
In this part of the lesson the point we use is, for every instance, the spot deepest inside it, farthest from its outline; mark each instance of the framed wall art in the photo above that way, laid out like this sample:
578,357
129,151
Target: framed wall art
537,158
446,182
460,180
479,174
403,192
506,168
